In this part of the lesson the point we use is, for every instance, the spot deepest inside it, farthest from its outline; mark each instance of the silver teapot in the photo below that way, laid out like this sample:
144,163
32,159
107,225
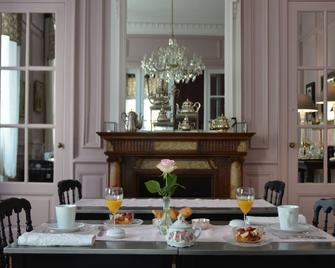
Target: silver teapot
132,121
162,116
185,125
188,107
221,123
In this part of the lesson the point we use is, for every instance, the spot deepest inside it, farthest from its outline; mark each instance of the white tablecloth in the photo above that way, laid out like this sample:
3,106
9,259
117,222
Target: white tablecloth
157,202
218,233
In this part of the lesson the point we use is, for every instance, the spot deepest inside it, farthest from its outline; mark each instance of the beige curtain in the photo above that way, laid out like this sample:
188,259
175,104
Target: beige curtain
131,86
11,26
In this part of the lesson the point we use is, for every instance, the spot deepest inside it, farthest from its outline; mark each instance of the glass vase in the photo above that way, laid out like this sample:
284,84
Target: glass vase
165,221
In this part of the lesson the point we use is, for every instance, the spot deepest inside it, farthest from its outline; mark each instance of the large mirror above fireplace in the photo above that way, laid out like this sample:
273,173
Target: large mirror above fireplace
210,30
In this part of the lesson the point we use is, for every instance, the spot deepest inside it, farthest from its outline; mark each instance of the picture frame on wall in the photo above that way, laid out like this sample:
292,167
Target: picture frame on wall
310,91
38,96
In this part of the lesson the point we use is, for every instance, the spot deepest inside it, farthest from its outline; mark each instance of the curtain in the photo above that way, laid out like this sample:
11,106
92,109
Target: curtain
9,108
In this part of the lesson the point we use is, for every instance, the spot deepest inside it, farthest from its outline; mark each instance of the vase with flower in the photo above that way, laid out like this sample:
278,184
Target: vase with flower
170,184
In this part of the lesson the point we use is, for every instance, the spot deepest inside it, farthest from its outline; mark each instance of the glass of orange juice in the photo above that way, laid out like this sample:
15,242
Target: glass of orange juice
113,199
245,198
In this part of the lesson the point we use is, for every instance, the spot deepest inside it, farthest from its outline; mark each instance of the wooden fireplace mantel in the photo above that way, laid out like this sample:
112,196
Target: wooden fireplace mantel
218,154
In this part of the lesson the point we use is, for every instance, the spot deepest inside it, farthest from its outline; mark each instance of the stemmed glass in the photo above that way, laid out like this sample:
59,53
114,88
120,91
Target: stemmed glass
245,198
113,200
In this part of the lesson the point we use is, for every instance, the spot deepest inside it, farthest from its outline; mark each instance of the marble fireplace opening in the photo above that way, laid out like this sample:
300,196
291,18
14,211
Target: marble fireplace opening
196,185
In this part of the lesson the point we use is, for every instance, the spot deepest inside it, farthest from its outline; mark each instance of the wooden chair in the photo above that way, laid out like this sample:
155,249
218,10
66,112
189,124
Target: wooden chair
327,206
276,189
64,189
11,207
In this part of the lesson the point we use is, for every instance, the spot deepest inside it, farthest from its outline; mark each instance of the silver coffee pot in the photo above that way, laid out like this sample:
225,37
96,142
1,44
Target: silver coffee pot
132,121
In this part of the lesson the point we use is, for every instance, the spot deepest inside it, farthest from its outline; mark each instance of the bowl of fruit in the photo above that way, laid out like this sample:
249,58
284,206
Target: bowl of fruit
123,218
248,234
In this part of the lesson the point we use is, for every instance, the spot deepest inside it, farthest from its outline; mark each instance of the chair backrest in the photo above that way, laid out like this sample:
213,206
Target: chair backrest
12,207
274,192
64,189
327,206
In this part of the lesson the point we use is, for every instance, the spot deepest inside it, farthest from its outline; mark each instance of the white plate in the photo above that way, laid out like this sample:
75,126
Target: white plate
297,229
76,227
134,222
262,242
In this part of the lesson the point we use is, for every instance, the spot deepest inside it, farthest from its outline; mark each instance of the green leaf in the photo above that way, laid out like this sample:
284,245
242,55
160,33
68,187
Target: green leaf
153,186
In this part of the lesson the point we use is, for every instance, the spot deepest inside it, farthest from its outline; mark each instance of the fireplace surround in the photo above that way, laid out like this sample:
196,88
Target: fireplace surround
210,164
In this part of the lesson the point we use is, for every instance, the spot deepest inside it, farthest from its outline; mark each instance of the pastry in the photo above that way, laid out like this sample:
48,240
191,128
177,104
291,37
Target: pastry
157,213
186,212
124,218
173,214
248,234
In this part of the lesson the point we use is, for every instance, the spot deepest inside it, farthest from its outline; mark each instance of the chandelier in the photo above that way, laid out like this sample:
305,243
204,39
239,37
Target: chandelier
172,63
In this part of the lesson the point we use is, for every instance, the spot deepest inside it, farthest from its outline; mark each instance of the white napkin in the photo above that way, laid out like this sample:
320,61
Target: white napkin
44,237
271,220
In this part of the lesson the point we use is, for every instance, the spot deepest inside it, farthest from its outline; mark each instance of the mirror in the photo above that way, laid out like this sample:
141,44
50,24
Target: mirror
200,27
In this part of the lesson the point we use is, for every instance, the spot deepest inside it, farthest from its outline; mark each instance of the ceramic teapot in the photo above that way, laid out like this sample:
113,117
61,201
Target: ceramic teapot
221,123
182,234
189,107
132,121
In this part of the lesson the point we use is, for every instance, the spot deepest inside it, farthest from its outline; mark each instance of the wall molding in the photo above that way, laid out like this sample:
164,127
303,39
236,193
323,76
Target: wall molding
140,27
92,44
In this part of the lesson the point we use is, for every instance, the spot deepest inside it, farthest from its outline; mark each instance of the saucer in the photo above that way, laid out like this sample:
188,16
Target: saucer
259,243
54,227
296,229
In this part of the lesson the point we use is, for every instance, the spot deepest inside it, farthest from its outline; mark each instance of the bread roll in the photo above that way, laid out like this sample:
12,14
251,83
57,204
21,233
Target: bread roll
186,212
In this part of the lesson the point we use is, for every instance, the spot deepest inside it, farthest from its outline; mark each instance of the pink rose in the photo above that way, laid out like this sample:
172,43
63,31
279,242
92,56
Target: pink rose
167,165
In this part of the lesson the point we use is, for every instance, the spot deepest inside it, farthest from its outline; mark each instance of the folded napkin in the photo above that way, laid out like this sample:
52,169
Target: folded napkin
42,236
271,220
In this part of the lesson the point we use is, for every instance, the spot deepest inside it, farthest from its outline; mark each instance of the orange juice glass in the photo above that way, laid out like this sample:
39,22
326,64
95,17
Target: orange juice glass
113,200
245,198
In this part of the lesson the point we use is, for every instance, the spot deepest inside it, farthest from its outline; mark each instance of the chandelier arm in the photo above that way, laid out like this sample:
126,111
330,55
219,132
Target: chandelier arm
172,32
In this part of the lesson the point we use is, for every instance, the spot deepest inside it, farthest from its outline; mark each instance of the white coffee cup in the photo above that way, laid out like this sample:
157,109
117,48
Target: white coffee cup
288,216
65,215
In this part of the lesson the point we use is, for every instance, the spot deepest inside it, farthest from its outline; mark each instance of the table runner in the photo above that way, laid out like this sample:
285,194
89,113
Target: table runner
218,233
175,202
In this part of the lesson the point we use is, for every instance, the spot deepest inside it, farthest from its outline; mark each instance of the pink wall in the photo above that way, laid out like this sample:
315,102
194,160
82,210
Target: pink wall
261,87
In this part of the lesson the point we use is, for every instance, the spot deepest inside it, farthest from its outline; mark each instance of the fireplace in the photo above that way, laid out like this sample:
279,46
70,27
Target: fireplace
209,163
197,176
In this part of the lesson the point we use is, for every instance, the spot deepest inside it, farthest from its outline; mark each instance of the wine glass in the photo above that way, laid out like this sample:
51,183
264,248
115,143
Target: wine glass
245,198
113,200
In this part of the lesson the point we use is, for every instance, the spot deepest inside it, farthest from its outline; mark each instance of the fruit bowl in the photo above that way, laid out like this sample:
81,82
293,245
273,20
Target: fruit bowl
123,217
248,234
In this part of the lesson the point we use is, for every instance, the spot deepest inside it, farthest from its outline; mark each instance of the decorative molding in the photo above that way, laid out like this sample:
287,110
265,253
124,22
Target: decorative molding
92,55
259,75
208,29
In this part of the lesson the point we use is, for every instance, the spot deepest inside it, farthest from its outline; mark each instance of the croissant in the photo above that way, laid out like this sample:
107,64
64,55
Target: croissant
157,213
173,214
186,212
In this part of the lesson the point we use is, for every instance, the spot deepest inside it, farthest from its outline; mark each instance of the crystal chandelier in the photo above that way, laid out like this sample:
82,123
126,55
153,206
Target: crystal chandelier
172,63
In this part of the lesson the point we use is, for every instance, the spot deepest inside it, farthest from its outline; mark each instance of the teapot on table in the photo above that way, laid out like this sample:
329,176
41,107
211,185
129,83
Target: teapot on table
182,234
188,107
132,121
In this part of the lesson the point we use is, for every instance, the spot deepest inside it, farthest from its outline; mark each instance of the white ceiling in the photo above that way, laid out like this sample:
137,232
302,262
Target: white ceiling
205,14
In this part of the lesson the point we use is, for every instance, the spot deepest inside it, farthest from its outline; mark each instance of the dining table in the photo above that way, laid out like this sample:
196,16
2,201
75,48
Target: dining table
144,246
214,209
